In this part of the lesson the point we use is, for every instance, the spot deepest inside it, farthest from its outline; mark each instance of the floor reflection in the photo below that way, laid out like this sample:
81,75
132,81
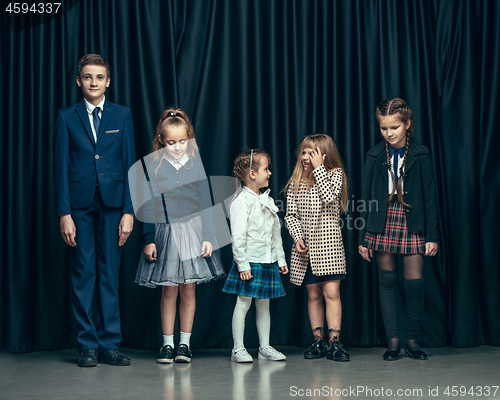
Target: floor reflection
177,381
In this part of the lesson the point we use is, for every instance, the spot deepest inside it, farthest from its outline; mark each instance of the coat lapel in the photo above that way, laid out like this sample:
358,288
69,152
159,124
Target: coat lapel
106,113
410,160
382,163
84,117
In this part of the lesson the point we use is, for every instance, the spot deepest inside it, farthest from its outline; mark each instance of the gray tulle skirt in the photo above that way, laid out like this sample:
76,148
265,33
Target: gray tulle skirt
179,259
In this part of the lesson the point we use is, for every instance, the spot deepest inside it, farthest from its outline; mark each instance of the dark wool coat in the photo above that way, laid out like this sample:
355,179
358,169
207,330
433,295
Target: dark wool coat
419,191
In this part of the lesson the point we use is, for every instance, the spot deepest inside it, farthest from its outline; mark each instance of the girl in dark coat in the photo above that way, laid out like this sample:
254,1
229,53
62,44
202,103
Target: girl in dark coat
398,186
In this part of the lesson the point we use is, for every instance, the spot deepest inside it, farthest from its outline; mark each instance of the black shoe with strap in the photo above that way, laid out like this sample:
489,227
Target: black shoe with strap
391,355
317,349
336,352
113,357
88,358
416,354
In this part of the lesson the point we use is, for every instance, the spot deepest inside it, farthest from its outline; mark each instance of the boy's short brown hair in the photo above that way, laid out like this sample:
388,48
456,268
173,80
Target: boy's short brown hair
92,59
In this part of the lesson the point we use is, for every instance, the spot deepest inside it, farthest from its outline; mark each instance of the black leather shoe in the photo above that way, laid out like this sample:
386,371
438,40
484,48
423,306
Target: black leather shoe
416,355
391,355
336,352
166,355
113,357
317,349
88,358
183,354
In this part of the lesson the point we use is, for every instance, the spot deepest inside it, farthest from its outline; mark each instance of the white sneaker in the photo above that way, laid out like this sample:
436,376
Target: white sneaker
241,355
270,353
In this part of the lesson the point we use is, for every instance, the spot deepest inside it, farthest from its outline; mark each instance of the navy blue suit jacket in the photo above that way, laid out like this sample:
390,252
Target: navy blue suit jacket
80,163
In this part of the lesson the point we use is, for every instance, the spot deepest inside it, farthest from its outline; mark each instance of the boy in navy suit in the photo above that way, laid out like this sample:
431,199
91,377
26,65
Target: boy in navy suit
93,151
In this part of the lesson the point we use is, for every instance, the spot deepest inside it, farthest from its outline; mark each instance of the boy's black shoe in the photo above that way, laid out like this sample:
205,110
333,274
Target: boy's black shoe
88,358
317,349
336,352
183,354
113,357
166,355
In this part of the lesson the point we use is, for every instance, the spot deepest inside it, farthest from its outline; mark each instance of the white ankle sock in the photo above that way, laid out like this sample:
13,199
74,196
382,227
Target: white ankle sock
168,340
185,338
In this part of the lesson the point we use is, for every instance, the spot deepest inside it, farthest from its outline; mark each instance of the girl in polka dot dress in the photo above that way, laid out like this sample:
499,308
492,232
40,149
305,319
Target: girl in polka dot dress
399,177
316,194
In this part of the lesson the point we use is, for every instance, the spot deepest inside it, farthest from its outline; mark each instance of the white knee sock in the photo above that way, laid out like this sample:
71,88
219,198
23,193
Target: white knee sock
168,340
185,338
241,308
263,321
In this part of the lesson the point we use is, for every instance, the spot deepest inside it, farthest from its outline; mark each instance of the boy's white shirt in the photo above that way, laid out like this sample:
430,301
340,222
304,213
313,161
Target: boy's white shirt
255,230
90,110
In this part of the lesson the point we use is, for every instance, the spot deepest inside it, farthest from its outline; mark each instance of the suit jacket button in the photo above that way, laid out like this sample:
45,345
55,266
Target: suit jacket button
97,156
407,210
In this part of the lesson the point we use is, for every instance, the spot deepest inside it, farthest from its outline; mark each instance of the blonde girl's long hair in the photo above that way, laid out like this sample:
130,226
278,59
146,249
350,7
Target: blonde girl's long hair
391,107
246,161
332,160
173,117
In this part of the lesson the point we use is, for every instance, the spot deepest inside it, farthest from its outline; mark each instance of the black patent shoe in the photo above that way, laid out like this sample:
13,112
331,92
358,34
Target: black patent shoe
391,355
336,352
183,354
88,358
317,349
166,355
416,355
113,357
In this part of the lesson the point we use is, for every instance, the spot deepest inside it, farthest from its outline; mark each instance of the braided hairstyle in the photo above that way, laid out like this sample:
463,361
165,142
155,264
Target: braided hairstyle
391,107
173,117
242,167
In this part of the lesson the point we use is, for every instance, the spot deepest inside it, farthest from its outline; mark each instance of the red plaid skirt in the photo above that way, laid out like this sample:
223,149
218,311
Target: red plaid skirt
396,238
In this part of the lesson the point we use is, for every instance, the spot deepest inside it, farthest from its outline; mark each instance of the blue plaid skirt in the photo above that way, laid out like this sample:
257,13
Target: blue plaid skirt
265,282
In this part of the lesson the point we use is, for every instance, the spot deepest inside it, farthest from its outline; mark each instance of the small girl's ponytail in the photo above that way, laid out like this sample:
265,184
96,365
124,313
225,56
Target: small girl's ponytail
246,161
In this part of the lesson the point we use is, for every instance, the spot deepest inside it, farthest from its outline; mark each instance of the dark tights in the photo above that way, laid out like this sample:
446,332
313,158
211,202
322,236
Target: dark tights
414,288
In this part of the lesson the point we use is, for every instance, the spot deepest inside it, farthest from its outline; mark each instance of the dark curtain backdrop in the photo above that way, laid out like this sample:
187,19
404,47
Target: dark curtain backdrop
260,73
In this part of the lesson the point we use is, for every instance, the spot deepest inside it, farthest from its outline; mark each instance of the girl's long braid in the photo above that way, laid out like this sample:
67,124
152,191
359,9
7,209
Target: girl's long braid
399,187
393,107
393,177
401,176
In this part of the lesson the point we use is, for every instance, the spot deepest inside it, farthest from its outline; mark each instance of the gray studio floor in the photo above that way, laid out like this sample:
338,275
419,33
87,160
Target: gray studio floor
211,375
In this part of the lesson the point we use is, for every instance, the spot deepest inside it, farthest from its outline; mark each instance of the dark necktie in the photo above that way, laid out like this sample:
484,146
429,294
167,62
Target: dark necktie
97,121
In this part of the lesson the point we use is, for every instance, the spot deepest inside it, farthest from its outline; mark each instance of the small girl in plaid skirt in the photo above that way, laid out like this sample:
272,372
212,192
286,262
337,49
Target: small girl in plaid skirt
258,253
404,220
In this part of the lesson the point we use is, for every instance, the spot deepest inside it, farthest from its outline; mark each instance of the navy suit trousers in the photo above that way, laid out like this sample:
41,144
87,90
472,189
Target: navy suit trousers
96,261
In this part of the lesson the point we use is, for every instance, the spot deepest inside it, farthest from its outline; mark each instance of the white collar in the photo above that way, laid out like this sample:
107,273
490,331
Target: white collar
90,107
250,191
183,160
264,199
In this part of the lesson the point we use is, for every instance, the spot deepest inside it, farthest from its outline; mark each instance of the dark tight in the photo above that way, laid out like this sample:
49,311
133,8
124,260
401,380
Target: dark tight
414,288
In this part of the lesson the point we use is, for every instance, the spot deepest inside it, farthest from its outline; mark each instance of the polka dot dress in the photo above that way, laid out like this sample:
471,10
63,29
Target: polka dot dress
313,215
